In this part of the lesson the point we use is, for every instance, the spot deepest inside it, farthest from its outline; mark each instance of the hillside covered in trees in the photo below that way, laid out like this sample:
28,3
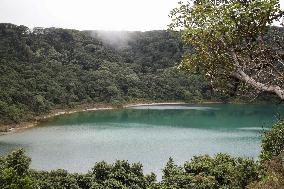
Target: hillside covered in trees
46,68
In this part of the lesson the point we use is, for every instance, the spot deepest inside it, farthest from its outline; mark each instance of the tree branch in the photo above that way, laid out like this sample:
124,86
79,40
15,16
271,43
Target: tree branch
241,75
260,86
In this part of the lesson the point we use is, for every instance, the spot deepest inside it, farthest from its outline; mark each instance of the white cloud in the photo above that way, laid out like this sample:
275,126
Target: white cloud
89,14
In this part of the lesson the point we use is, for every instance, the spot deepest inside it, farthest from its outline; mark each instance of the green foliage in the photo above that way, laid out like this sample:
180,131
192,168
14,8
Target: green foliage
273,142
10,113
48,68
14,172
272,156
221,171
232,42
59,179
272,176
120,175
18,162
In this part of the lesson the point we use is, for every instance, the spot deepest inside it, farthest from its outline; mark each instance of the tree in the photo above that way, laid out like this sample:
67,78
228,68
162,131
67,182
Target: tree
272,159
202,172
14,171
273,142
230,41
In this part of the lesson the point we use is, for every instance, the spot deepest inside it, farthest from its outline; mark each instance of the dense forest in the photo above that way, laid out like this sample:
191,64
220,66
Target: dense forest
46,68
215,51
202,172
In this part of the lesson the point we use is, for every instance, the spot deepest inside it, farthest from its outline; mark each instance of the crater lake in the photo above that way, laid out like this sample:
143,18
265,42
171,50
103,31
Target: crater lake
149,134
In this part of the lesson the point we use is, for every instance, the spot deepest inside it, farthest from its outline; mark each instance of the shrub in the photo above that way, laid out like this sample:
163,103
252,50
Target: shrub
14,172
273,142
220,171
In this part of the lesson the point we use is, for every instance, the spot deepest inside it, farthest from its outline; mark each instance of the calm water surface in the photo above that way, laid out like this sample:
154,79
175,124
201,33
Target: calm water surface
146,134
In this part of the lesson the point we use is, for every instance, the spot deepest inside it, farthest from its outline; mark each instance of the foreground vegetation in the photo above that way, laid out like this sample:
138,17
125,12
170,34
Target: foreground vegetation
202,172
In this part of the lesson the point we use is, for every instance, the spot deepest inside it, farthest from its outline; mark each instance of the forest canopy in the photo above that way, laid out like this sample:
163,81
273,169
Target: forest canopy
46,68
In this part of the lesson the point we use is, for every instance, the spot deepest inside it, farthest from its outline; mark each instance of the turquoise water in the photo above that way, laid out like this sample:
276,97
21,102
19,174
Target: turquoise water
146,134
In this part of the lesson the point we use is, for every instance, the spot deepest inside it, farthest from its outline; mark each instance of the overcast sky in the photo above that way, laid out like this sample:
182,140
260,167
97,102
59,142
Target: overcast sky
89,14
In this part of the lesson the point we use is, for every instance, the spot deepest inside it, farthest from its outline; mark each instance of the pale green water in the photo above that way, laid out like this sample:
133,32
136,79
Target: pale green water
146,134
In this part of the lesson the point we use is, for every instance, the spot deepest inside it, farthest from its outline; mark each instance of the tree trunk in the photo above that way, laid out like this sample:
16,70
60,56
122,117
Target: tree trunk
241,75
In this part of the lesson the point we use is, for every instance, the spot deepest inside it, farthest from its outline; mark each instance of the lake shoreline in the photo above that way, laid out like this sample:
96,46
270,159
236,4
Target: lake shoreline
12,128
158,131
18,127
